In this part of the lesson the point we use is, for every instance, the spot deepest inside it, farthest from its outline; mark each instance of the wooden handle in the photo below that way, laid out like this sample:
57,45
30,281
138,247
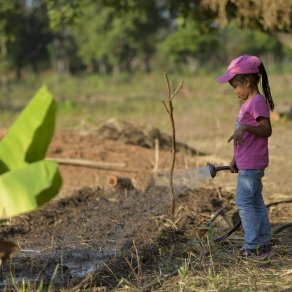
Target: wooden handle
222,168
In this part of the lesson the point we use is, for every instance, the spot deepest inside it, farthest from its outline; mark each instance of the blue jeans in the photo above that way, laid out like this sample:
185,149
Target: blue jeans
252,209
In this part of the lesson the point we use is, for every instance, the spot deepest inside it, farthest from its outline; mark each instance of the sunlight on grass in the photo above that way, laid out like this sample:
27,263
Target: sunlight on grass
137,97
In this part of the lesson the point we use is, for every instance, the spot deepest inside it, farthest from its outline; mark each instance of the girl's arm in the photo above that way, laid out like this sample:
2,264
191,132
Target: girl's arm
263,129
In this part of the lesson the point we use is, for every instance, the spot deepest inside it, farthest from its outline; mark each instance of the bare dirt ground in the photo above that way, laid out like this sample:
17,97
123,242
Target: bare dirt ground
96,235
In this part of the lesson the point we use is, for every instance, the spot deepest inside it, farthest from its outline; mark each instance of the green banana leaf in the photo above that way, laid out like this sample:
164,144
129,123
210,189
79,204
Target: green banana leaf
26,188
28,138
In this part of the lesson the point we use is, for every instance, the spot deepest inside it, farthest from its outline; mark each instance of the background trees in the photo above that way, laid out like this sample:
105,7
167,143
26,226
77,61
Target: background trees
112,40
105,36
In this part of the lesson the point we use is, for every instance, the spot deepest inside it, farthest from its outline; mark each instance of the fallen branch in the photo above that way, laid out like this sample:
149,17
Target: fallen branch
218,213
155,168
228,233
94,164
280,228
236,226
278,202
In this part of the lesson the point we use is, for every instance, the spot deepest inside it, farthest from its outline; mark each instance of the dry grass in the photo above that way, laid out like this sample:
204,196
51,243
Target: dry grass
184,261
220,269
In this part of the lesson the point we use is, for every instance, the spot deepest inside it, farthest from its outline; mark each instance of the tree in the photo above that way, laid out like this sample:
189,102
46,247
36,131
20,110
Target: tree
24,35
236,41
267,15
191,42
63,15
108,37
10,14
272,16
120,35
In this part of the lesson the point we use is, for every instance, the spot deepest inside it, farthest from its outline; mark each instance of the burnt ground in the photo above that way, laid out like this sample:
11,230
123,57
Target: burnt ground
95,230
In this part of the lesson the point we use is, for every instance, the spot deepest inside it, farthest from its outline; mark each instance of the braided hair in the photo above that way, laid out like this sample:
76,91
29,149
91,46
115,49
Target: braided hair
266,87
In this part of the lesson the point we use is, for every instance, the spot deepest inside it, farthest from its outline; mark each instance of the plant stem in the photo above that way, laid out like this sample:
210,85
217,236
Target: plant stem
169,109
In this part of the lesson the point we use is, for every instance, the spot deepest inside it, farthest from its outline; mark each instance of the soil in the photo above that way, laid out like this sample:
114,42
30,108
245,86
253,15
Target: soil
93,228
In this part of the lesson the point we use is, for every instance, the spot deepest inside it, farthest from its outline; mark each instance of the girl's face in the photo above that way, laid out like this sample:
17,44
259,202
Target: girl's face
241,89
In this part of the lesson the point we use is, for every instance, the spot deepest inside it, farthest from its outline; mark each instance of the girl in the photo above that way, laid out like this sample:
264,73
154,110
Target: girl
251,157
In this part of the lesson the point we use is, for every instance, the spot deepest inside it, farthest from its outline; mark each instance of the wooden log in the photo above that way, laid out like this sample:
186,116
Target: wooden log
95,164
120,182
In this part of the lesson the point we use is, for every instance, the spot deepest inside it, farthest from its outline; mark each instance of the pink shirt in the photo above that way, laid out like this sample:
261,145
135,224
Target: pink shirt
253,153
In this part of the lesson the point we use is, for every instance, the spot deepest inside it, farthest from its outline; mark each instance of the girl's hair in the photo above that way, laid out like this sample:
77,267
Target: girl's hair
254,78
266,86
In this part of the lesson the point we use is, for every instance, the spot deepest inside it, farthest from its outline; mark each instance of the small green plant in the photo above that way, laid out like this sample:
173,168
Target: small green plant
27,180
26,285
183,271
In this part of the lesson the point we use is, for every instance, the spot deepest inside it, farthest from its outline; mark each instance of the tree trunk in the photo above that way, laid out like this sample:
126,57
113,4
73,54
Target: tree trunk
60,57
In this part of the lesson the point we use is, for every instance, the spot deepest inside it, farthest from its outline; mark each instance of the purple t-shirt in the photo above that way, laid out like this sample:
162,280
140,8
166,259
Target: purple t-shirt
253,153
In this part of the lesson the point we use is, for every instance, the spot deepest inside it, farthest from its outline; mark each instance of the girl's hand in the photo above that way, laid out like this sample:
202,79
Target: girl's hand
263,129
233,166
238,135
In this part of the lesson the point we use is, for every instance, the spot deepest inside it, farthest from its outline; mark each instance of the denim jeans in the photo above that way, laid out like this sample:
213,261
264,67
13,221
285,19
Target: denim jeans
252,209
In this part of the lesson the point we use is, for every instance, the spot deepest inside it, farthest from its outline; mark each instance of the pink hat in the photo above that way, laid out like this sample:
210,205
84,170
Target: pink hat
241,65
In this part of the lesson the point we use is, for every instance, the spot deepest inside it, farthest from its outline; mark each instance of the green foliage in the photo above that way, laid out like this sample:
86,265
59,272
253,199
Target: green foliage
247,41
184,270
108,38
9,12
190,39
9,31
117,36
62,13
28,138
26,188
24,34
38,286
27,181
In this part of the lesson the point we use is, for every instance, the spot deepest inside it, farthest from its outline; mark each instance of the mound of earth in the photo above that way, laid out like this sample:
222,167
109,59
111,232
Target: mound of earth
139,162
81,232
115,129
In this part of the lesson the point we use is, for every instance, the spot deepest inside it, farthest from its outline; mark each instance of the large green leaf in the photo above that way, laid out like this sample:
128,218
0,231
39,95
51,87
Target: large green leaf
29,137
26,188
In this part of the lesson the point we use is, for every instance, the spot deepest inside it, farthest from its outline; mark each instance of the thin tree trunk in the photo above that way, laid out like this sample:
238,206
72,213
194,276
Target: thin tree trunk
169,109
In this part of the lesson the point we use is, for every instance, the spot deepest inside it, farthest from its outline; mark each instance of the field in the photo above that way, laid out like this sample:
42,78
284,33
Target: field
96,237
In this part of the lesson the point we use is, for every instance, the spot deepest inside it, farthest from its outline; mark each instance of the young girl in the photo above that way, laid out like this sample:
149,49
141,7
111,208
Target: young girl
251,157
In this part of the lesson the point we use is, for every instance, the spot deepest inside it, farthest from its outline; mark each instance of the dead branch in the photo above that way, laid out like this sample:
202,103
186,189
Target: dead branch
169,108
155,168
218,213
139,270
237,225
280,228
278,202
94,164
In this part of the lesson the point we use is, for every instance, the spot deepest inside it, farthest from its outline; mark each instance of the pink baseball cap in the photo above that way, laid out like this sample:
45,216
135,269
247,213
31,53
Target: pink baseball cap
241,65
